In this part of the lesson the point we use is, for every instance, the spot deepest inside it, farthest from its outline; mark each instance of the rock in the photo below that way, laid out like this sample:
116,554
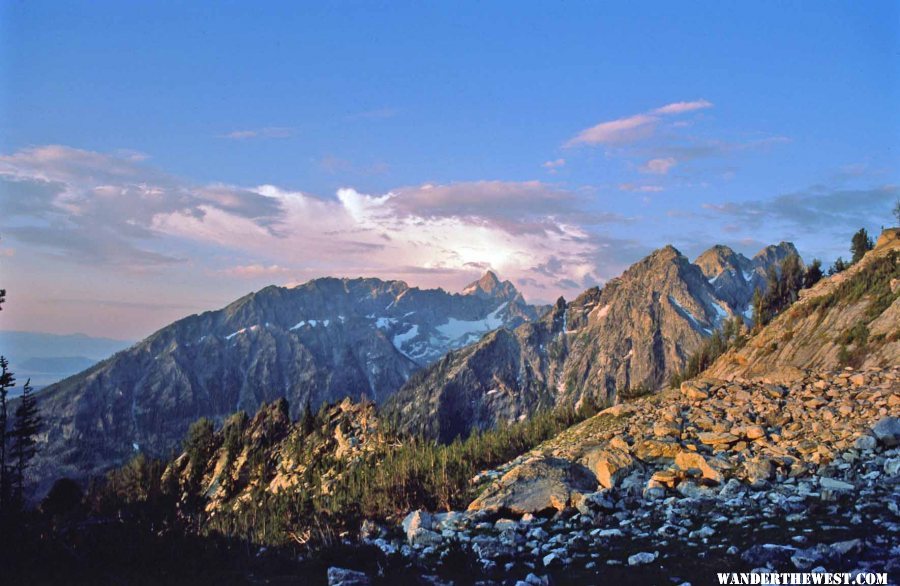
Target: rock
693,460
892,467
716,438
608,465
768,555
344,577
753,432
652,450
551,559
536,486
758,471
858,380
641,558
664,429
835,485
887,430
865,442
415,521
665,477
695,390
424,537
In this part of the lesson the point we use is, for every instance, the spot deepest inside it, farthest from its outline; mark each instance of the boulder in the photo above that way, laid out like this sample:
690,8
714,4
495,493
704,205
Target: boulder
887,431
609,465
344,577
415,521
652,450
693,460
714,438
641,558
695,390
538,485
758,471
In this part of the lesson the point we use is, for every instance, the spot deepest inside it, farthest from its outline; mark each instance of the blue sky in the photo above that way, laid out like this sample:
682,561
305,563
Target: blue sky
160,159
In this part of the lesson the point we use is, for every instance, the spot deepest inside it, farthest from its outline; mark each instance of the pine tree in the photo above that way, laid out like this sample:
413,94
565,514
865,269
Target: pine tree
7,381
813,274
24,439
897,211
860,245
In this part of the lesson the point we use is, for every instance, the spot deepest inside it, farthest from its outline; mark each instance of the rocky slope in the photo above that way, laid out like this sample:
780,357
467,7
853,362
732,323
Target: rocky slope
627,338
851,318
732,475
314,343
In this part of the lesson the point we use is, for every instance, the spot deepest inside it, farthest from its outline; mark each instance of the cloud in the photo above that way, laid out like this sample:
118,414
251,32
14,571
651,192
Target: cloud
814,209
640,188
265,132
255,271
94,208
682,107
554,166
633,128
658,166
120,214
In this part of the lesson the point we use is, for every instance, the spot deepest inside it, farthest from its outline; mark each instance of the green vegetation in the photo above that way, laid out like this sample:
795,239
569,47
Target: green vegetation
400,475
860,244
732,335
782,288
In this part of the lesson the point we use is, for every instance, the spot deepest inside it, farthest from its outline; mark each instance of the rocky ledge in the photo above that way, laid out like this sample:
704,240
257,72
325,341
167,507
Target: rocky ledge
715,476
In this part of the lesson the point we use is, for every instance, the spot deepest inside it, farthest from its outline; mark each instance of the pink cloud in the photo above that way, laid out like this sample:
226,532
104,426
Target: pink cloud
658,166
633,128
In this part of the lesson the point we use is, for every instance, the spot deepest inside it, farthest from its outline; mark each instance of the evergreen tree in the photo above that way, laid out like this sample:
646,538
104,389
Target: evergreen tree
813,274
897,211
24,434
839,265
7,381
860,245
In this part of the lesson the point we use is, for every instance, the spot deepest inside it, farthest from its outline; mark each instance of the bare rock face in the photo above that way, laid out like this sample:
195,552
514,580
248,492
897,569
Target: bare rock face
315,343
538,486
629,337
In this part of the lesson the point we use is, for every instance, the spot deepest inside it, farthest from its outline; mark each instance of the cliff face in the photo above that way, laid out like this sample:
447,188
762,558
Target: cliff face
315,343
628,337
849,319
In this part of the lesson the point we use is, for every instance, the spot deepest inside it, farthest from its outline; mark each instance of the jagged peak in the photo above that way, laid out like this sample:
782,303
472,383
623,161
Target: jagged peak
781,250
489,285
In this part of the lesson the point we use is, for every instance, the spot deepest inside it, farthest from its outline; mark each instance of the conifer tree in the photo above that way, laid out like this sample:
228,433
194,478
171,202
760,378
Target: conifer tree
24,438
860,245
7,381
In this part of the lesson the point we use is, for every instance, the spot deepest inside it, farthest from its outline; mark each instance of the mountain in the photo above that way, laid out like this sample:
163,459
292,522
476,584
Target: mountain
312,344
848,319
734,277
48,358
627,338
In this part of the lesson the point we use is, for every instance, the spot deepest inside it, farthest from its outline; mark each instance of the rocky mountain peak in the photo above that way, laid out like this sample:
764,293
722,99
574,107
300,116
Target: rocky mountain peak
489,286
774,253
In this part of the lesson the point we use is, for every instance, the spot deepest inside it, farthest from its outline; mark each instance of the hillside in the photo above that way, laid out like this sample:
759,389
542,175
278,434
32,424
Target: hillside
312,344
624,339
849,319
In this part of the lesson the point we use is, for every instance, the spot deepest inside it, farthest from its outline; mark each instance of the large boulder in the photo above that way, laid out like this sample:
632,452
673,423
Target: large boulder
887,431
693,460
539,485
344,577
609,465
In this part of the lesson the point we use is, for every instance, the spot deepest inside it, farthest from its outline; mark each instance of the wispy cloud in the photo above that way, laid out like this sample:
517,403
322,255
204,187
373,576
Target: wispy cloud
633,128
637,188
658,166
554,165
266,132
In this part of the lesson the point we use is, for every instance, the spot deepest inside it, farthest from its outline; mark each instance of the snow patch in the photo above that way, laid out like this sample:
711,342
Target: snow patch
457,329
241,331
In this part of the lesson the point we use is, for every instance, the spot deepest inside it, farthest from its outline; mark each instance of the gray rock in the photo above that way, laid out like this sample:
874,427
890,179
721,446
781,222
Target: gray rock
344,577
641,558
887,430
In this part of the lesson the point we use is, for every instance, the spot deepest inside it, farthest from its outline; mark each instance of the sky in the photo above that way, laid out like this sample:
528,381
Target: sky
161,159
